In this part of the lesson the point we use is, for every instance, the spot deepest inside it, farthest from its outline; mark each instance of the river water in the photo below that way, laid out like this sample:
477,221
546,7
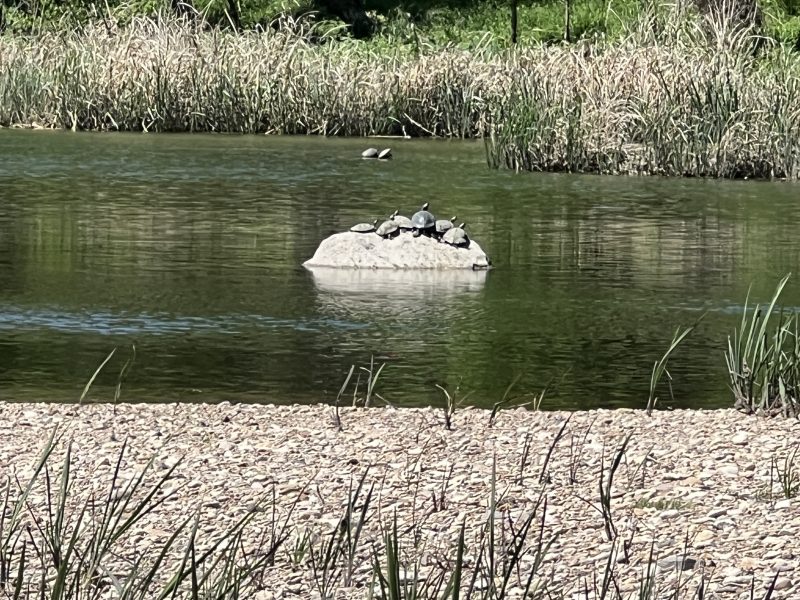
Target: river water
189,249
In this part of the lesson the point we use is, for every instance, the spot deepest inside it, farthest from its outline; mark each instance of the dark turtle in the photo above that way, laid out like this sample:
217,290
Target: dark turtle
370,153
403,222
456,236
388,229
423,222
443,226
364,227
385,154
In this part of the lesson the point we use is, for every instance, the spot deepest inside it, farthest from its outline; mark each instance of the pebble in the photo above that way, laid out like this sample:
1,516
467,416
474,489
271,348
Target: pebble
740,439
678,562
783,583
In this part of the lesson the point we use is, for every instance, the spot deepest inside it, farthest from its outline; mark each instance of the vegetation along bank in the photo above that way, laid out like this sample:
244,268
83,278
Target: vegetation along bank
669,90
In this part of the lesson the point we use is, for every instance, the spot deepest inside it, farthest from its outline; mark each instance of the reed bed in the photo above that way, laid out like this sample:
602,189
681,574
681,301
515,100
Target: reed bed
686,111
173,76
679,95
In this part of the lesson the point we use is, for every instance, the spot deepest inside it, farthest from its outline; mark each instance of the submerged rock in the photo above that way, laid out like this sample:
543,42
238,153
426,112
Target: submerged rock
370,251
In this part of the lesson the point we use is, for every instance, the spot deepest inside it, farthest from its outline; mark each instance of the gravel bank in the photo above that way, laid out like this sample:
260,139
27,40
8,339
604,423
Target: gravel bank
693,483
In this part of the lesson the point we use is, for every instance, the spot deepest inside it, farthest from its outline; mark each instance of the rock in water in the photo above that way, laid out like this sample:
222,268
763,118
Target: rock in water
360,251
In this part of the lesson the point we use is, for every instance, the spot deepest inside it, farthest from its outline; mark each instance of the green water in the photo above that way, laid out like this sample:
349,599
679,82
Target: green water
190,248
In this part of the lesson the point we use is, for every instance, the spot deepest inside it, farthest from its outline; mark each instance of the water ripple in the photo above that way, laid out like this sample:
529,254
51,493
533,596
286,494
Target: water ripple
109,323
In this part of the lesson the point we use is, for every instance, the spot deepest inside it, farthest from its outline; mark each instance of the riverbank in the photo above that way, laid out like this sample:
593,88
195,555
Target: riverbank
699,489
683,97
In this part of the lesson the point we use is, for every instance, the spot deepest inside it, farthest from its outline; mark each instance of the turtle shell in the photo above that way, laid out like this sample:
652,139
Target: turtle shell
387,228
443,225
423,220
403,222
363,227
456,236
370,153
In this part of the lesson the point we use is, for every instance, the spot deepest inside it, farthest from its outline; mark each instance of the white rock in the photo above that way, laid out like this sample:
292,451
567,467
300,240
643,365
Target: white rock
740,438
370,251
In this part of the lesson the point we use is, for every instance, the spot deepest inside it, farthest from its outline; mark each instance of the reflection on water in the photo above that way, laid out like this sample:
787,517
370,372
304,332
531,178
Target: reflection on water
391,294
189,248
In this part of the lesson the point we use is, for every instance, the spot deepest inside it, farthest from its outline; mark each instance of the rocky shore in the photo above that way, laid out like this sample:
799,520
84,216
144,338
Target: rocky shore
703,491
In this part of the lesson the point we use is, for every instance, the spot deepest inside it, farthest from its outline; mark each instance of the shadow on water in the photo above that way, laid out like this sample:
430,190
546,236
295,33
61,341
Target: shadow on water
189,248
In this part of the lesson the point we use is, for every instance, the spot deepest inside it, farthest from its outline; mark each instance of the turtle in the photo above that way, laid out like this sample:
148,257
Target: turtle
443,225
385,154
403,222
388,229
365,227
457,236
370,153
423,221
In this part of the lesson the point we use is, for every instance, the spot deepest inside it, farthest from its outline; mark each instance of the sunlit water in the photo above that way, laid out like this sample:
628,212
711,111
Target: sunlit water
190,249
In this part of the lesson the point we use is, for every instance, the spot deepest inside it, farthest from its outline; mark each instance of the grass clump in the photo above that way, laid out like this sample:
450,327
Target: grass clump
763,360
660,366
787,476
783,475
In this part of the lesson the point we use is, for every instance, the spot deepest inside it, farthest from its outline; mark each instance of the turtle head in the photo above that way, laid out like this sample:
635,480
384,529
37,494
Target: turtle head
425,206
453,218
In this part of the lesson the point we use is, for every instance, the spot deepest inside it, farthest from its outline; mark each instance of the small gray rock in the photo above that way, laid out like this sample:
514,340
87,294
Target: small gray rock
679,562
783,583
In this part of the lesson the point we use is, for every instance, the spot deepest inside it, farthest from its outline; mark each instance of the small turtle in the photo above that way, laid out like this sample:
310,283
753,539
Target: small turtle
456,236
370,153
385,154
423,221
403,222
388,229
365,227
443,225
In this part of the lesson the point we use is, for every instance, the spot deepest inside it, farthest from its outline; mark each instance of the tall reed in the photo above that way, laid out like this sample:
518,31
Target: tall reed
696,101
172,75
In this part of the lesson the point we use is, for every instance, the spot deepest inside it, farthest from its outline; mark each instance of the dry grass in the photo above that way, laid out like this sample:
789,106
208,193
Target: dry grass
170,76
680,95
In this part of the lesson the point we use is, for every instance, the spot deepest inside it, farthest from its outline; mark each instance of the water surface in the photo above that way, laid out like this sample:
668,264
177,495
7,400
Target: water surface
190,249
